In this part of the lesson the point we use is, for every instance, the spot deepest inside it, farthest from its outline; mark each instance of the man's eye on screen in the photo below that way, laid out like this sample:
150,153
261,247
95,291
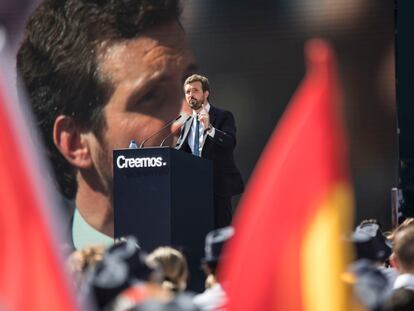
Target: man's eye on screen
154,100
149,96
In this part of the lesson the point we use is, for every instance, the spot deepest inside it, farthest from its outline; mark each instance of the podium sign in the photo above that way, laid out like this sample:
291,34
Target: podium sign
163,196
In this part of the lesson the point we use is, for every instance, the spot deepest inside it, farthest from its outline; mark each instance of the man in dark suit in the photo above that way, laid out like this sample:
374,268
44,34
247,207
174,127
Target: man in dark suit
211,133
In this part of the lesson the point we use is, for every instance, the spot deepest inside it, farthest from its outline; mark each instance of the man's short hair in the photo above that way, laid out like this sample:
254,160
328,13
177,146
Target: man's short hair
205,85
58,62
404,248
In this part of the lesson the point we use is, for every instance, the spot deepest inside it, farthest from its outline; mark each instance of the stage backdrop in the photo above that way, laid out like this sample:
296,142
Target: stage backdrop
252,52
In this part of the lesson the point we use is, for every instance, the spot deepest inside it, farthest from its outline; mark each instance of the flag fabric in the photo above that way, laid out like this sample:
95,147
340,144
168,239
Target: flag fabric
31,273
287,252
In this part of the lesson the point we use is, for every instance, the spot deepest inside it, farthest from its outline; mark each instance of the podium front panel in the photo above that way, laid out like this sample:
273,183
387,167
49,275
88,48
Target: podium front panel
163,196
142,196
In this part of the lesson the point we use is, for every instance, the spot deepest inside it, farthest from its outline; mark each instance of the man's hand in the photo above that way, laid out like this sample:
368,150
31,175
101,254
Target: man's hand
204,118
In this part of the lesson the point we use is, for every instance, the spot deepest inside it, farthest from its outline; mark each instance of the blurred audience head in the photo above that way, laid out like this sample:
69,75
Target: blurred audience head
370,285
406,223
80,261
403,247
401,300
173,265
214,243
122,266
370,242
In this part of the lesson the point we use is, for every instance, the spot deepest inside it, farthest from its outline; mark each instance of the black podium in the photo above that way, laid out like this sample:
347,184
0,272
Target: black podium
164,197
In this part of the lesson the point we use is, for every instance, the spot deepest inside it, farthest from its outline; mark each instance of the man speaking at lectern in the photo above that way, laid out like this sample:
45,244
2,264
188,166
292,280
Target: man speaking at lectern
99,73
211,134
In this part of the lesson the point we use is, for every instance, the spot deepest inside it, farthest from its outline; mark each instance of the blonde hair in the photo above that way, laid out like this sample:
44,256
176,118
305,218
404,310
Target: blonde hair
173,265
404,248
406,223
205,84
80,260
210,281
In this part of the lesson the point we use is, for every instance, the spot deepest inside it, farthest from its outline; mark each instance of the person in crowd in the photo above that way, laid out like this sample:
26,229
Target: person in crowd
401,300
99,74
173,265
82,260
211,134
126,279
214,297
403,258
123,269
372,279
372,244
369,285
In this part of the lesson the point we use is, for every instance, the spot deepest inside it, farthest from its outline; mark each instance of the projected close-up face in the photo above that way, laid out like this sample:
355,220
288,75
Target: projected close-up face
147,74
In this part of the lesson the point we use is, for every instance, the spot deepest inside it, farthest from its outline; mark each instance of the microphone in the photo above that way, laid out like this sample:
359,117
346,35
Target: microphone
159,131
133,145
169,135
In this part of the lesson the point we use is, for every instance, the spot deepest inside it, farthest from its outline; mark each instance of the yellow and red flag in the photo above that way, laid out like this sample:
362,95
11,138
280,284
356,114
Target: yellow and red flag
31,274
287,253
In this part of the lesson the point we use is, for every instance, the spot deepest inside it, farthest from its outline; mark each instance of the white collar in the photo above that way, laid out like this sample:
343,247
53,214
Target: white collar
83,234
206,108
405,280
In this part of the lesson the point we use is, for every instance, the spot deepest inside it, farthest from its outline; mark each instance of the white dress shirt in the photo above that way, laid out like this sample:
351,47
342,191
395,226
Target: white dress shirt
405,280
212,298
201,131
83,234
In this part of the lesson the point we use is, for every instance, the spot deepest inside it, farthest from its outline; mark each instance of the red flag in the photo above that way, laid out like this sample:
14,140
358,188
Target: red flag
287,252
31,276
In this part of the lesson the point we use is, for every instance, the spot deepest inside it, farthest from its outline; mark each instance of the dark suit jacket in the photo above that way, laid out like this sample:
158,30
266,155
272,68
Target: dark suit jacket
227,178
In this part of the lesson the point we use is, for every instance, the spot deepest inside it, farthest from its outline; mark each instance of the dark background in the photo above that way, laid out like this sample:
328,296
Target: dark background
252,52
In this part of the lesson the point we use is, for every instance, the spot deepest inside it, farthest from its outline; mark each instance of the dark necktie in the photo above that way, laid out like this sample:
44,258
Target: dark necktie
196,149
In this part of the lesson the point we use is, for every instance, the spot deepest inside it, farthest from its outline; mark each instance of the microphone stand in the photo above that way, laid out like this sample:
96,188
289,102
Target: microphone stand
157,132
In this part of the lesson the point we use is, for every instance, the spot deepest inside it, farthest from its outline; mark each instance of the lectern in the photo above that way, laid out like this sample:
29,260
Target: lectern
164,196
